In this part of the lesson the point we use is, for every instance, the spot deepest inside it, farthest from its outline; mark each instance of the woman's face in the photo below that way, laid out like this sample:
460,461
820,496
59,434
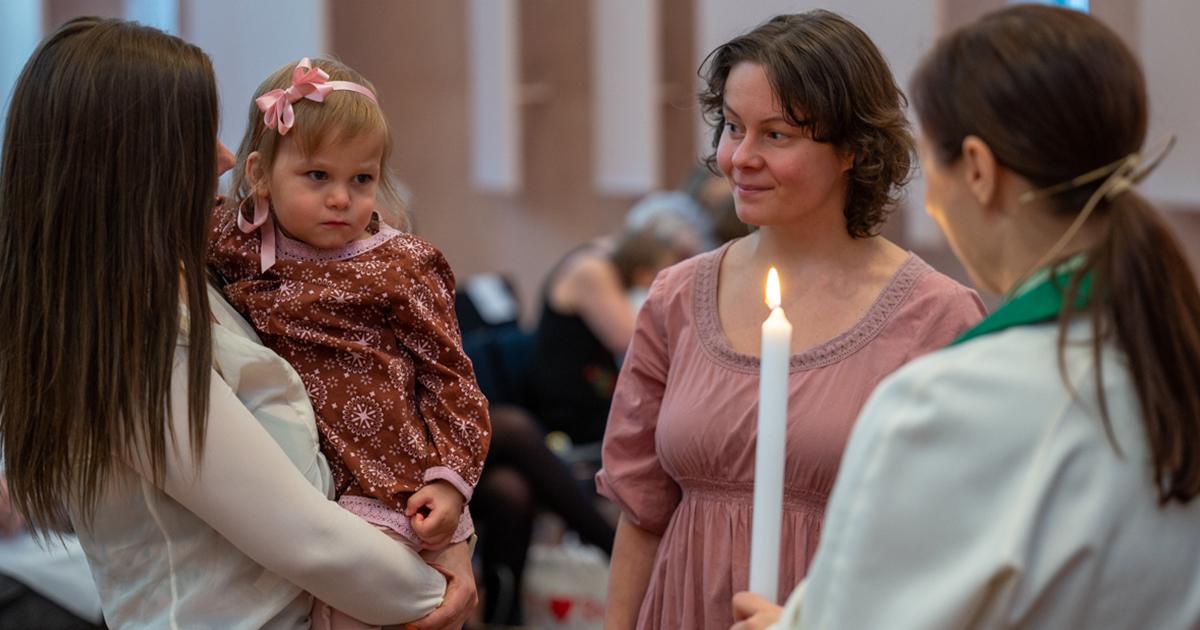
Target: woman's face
957,212
779,174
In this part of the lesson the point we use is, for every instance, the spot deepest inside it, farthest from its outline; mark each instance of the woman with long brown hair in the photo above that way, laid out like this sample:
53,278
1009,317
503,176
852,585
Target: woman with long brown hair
1043,471
135,407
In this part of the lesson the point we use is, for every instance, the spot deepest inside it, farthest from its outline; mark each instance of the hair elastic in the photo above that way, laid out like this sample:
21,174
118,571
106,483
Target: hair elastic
1120,177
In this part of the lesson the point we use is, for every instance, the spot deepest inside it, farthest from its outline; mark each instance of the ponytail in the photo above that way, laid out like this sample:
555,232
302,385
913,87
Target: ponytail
1088,115
1145,295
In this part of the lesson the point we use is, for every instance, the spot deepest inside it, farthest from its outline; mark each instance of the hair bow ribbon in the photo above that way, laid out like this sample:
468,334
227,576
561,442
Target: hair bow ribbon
307,82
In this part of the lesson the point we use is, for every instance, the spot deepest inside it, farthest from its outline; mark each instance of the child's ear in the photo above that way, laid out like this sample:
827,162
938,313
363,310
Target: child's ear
255,173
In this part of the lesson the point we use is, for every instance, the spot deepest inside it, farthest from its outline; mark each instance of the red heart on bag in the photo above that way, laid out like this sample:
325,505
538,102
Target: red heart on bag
561,607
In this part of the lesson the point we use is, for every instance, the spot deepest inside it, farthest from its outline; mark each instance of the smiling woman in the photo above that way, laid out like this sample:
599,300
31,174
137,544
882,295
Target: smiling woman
809,130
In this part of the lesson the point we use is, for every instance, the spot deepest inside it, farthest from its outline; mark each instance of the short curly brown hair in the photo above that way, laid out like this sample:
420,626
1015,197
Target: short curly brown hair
832,80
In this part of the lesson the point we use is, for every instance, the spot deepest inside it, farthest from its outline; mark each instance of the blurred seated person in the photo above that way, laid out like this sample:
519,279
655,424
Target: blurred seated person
520,477
715,197
589,303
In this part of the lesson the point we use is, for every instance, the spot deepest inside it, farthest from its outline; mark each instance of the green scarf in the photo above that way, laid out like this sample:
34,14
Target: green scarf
1039,299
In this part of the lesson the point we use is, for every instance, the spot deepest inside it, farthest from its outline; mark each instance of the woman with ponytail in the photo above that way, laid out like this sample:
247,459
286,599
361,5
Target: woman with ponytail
1042,472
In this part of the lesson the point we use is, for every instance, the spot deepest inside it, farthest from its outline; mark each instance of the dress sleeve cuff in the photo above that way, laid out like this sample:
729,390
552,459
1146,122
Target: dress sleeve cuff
465,530
442,473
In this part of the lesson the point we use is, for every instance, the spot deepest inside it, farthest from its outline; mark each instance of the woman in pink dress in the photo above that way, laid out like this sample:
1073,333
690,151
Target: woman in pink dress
811,133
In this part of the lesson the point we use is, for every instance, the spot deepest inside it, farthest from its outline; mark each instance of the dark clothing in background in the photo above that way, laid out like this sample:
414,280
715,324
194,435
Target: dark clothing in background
573,374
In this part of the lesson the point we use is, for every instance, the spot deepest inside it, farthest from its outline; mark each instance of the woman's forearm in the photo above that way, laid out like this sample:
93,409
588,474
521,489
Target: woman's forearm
632,561
247,489
461,597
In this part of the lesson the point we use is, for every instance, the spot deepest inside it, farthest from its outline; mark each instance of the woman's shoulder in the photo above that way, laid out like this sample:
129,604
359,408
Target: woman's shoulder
1017,366
585,269
935,302
958,393
939,285
689,275
1005,398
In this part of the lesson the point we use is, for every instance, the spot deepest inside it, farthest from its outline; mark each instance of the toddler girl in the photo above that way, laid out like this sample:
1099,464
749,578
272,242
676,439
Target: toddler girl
363,311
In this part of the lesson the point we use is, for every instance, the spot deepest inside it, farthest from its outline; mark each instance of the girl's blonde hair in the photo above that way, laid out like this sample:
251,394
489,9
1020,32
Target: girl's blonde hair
344,115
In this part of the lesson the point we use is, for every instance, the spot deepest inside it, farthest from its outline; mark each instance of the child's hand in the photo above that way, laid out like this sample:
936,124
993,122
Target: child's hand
434,512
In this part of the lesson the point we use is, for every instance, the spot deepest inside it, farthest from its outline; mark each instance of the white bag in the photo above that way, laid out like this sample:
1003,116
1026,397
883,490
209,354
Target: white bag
565,587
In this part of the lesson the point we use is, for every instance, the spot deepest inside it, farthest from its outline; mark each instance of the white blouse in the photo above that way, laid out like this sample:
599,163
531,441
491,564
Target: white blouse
978,492
241,537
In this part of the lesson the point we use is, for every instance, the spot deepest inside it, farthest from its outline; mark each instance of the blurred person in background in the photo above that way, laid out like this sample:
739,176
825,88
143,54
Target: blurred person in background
589,304
715,196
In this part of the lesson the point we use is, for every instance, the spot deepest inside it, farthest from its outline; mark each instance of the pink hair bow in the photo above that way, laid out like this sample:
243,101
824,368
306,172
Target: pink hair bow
307,82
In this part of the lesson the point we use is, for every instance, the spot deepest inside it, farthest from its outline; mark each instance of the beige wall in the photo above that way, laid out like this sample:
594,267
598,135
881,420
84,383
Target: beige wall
1185,221
415,53
1120,15
55,12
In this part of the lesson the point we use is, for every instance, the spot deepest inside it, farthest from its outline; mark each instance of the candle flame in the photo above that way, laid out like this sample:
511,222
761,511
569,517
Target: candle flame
774,294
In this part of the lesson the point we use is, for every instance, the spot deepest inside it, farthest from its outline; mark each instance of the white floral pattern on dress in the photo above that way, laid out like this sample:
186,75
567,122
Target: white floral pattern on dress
377,473
362,416
355,362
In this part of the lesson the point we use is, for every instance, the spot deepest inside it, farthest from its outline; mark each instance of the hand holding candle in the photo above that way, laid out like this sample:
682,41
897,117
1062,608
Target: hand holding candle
770,448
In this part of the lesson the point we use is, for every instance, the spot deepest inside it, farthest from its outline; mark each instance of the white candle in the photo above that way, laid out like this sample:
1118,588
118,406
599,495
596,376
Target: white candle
769,452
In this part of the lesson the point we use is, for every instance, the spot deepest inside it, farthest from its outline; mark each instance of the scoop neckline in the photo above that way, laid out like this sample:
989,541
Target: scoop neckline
842,345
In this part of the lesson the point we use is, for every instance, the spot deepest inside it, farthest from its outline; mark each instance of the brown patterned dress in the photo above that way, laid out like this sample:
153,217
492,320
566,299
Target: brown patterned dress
371,330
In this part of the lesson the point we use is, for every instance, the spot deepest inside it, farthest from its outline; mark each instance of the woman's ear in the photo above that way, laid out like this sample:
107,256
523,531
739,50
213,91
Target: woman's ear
255,173
980,169
849,157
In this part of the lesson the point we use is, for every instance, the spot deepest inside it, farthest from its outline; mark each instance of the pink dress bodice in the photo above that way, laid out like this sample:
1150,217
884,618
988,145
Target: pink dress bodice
679,447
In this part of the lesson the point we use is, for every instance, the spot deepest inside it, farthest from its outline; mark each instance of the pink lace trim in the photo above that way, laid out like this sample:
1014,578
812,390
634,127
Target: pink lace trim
712,337
376,512
292,249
